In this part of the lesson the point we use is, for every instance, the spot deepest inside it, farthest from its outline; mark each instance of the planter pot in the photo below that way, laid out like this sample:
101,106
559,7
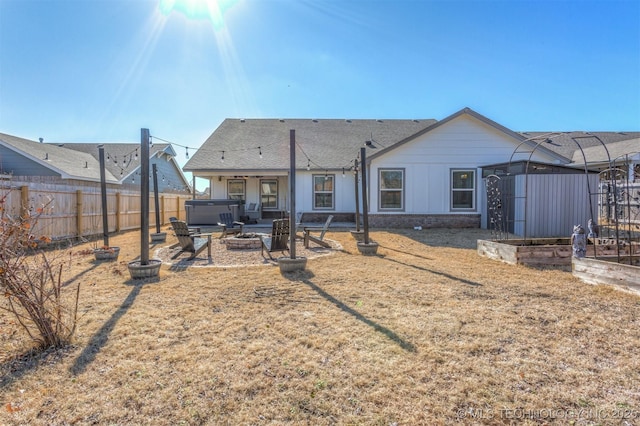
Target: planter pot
110,253
368,249
139,271
292,265
158,237
358,236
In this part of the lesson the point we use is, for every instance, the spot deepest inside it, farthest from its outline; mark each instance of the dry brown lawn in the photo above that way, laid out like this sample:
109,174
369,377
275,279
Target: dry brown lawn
426,332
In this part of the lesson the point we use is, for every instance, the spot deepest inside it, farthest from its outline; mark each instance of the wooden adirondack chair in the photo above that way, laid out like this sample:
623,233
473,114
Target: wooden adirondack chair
229,225
307,230
188,240
278,239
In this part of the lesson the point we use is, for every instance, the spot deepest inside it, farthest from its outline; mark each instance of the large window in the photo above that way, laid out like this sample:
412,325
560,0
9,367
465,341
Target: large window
391,189
323,191
463,189
269,194
235,189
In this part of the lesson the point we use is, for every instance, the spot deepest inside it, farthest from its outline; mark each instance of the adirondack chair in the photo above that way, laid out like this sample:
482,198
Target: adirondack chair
189,241
253,212
307,230
229,225
277,241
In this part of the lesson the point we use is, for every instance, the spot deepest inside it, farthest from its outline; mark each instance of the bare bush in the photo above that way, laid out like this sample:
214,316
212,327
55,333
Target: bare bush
31,280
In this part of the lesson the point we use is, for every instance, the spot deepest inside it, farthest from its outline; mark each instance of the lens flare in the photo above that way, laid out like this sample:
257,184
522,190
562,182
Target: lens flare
212,10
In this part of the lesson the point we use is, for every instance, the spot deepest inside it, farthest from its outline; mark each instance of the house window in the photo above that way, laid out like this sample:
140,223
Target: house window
323,191
235,189
463,189
269,194
391,189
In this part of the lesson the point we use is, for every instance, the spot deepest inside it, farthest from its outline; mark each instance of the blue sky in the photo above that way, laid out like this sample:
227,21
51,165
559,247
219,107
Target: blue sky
100,70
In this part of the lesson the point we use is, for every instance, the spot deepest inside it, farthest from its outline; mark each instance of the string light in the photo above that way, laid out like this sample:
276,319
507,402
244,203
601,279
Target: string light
222,159
343,172
308,163
260,151
186,152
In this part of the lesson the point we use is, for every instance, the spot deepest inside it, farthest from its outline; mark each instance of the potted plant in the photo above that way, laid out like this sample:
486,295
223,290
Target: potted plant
106,253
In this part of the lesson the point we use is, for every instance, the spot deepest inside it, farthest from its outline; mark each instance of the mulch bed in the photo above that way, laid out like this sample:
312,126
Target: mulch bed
222,257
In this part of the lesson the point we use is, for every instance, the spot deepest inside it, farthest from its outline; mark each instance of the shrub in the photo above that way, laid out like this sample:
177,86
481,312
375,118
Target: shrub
31,280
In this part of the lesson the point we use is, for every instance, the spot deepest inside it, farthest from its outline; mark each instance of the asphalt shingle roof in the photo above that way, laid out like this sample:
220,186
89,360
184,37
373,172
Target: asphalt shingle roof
329,144
617,151
120,158
67,162
566,143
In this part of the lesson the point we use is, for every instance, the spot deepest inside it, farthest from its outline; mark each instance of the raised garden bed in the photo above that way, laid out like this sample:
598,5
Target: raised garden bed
555,252
607,270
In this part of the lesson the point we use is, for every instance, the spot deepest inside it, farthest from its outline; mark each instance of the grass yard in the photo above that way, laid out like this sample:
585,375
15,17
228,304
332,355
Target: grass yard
426,332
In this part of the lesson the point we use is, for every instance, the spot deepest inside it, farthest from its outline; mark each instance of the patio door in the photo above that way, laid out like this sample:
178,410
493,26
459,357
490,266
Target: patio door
269,194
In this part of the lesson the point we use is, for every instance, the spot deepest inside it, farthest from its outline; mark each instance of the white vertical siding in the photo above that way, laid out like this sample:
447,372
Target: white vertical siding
463,143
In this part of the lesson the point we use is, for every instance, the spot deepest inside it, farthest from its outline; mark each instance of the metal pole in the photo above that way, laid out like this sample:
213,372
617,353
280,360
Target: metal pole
103,192
357,196
365,207
292,191
144,197
155,196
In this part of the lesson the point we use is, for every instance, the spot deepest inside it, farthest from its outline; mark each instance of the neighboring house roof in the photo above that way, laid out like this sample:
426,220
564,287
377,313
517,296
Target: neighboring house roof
81,160
616,151
333,142
568,144
122,159
69,164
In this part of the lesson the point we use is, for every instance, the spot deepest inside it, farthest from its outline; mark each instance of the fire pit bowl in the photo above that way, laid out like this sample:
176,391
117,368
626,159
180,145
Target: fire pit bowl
246,241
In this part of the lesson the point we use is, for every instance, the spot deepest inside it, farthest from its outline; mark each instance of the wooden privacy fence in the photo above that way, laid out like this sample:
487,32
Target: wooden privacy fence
69,212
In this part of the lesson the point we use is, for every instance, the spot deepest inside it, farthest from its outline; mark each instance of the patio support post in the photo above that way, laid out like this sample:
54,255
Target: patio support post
144,197
292,191
103,193
365,207
355,174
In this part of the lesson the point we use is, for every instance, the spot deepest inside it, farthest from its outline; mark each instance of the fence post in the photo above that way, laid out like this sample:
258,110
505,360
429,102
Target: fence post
24,201
118,216
162,212
79,213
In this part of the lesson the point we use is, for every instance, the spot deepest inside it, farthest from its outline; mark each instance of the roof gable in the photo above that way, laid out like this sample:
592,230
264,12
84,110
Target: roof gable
517,138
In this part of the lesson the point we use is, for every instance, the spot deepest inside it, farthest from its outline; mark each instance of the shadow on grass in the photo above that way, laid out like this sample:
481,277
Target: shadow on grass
17,367
462,238
305,278
431,271
71,280
101,337
405,252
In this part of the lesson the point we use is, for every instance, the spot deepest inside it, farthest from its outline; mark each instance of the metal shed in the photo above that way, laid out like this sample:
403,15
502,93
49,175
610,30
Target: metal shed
538,200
